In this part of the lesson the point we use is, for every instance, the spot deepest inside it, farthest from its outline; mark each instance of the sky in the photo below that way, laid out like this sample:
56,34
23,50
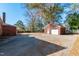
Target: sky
14,12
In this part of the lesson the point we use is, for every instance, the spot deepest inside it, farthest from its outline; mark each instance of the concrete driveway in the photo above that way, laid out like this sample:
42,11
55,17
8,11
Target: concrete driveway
37,44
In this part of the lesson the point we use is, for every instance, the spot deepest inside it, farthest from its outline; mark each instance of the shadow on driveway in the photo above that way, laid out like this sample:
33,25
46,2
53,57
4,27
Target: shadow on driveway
25,45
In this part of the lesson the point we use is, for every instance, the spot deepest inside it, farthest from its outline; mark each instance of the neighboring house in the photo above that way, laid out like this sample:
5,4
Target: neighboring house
6,29
54,29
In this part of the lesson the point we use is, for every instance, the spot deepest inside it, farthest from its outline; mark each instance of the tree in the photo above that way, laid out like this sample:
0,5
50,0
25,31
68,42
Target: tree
20,26
39,24
73,21
36,25
48,11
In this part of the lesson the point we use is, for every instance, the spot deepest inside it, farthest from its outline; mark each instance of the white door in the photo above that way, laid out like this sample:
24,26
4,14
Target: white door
54,31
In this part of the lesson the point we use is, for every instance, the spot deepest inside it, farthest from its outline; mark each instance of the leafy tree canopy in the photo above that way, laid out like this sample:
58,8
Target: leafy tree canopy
20,26
73,21
48,11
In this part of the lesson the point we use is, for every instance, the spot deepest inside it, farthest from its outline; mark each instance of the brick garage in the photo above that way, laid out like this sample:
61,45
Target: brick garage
0,30
5,29
8,30
54,29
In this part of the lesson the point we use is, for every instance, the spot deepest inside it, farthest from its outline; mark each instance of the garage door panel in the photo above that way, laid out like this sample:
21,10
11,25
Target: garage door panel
54,31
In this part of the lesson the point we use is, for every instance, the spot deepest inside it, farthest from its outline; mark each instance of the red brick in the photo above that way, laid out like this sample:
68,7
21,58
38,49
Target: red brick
8,30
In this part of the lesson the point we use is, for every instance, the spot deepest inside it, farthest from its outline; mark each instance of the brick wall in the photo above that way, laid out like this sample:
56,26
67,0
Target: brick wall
49,27
8,30
0,30
61,30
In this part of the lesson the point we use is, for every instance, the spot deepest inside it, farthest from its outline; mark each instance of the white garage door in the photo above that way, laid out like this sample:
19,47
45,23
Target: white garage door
54,31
